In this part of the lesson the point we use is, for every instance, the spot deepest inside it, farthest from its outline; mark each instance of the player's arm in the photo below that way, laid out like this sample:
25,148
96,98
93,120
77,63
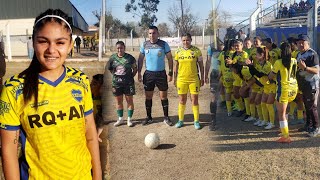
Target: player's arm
170,63
175,72
2,61
200,64
140,64
9,150
134,69
93,146
207,68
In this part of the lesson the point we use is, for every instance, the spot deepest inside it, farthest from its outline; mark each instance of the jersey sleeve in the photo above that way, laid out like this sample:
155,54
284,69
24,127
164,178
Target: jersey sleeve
176,55
88,102
166,48
276,66
142,48
9,117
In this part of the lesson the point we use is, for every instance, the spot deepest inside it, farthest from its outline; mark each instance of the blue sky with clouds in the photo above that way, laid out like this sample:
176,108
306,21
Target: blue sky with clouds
239,9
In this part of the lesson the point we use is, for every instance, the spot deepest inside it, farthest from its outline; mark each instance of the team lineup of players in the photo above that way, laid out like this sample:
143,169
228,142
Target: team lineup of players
252,81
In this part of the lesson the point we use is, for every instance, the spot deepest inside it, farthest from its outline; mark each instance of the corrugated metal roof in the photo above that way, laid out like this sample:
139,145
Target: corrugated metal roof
22,9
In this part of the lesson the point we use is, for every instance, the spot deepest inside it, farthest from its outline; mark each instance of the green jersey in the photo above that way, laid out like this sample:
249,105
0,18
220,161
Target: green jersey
121,68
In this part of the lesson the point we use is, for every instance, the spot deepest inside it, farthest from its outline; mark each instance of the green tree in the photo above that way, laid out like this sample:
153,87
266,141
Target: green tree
118,29
145,9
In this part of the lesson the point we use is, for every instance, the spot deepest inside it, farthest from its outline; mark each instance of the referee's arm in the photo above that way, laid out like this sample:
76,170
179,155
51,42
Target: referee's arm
140,64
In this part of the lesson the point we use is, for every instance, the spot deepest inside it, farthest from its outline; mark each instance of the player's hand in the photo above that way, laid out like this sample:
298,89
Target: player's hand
169,78
248,61
139,77
229,61
302,65
202,82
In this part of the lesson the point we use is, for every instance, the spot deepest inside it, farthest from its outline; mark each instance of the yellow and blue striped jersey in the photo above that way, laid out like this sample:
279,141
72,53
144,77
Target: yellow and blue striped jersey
188,68
53,135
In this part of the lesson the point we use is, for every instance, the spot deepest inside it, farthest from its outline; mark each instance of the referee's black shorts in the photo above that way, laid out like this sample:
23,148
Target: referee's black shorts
155,78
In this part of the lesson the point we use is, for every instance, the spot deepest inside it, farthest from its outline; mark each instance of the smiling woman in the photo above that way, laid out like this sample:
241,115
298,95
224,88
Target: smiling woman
50,107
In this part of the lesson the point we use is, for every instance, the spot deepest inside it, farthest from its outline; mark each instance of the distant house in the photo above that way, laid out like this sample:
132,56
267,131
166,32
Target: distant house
17,19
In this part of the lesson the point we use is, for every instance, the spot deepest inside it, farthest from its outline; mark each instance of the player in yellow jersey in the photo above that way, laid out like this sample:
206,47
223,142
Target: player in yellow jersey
261,71
50,107
273,51
257,42
187,60
226,73
285,73
247,45
239,57
298,103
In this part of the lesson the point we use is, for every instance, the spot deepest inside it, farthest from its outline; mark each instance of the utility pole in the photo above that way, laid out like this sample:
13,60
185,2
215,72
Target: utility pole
181,4
214,23
102,29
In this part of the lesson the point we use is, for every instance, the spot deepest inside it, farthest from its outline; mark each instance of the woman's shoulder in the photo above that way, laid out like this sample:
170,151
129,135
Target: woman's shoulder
75,72
13,81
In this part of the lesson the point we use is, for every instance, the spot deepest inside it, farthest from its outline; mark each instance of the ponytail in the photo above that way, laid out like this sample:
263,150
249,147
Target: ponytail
286,55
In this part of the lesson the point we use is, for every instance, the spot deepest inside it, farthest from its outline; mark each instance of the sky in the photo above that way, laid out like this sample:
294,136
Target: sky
239,9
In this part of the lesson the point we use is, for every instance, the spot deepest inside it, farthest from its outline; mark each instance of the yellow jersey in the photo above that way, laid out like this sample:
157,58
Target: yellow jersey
226,72
286,79
188,67
274,55
240,57
295,53
245,72
53,136
265,69
253,55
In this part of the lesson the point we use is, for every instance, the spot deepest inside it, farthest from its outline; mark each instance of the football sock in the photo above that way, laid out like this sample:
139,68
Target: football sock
195,110
148,103
264,112
253,110
259,110
181,109
284,128
293,106
120,113
229,108
271,112
165,107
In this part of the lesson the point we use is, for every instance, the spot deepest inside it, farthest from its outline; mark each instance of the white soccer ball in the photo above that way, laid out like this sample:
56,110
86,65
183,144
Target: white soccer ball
152,140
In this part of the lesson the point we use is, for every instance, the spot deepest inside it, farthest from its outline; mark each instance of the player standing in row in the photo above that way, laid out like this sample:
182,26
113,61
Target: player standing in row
123,68
49,105
308,81
155,51
186,76
284,71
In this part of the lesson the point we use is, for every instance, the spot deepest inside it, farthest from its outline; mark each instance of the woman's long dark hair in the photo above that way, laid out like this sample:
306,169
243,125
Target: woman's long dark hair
31,74
264,51
286,54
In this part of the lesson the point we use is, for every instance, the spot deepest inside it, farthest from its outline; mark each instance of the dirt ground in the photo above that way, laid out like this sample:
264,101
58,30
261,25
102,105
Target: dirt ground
237,150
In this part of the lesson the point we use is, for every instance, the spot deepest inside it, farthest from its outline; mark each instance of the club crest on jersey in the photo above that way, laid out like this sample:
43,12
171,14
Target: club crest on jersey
77,95
4,107
159,53
192,53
